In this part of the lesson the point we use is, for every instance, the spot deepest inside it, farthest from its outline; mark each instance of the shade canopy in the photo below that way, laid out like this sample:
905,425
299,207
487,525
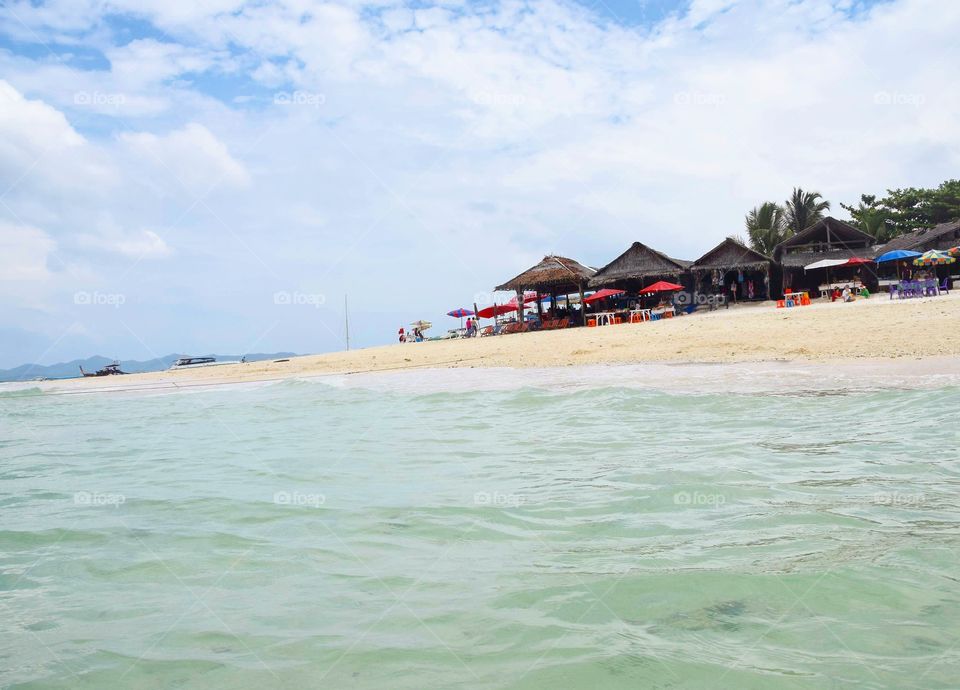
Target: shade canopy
498,309
856,260
954,251
897,255
662,286
600,294
933,258
460,313
825,263
421,324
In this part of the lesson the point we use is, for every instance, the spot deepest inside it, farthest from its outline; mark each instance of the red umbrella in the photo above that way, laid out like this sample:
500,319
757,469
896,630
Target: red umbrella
498,309
600,294
857,260
662,286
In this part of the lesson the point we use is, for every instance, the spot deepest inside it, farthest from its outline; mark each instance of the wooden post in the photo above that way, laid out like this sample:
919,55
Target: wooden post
520,305
583,307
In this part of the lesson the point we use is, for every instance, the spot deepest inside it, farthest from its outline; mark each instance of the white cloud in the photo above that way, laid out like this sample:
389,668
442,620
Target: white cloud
192,156
24,251
146,244
455,143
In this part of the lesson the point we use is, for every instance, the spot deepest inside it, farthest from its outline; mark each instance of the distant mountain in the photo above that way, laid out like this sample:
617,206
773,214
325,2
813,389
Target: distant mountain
69,370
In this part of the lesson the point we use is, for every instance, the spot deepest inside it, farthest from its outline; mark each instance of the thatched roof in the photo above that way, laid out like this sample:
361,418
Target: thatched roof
554,274
942,236
730,254
824,235
638,263
801,259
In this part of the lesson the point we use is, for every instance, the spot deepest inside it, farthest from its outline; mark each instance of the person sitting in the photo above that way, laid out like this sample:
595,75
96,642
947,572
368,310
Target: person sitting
847,295
864,292
402,334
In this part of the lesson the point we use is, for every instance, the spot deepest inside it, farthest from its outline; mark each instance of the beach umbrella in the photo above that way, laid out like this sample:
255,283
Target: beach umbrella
459,313
662,286
600,294
421,324
897,255
856,260
933,258
954,251
495,310
824,263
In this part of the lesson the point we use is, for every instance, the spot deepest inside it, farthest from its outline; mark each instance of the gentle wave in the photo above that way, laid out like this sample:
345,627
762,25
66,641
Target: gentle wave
484,529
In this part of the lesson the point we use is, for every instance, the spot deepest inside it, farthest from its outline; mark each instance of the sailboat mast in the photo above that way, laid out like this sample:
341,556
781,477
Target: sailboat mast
346,321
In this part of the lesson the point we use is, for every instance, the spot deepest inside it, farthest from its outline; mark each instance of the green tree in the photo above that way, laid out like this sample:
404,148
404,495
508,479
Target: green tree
803,209
904,210
766,227
871,217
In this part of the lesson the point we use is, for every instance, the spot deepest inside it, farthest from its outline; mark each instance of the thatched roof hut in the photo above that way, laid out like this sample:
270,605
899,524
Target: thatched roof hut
942,236
638,264
731,255
829,238
554,275
822,240
756,270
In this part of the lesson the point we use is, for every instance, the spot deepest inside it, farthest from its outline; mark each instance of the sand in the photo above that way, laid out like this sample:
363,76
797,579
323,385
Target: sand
877,329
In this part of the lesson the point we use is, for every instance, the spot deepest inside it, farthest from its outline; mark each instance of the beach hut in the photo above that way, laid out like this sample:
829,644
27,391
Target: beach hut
826,239
555,275
732,262
641,265
941,237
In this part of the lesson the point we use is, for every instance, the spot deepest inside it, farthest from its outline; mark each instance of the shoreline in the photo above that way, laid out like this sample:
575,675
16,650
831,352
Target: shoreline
874,331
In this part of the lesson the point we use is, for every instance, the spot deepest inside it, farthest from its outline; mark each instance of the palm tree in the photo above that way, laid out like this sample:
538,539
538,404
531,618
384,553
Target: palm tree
766,227
804,209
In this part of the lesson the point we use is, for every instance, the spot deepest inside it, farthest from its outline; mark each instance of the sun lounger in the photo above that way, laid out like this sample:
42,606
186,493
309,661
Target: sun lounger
514,328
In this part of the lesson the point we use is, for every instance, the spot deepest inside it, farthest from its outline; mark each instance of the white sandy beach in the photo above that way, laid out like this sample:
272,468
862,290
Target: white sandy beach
866,330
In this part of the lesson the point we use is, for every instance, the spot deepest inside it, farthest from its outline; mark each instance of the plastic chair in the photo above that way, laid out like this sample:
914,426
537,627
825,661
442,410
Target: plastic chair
591,323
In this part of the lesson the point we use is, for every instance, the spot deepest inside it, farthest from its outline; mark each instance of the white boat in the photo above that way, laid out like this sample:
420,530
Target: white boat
196,362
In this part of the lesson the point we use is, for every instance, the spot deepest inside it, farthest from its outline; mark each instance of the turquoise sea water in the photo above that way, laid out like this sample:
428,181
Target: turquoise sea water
490,532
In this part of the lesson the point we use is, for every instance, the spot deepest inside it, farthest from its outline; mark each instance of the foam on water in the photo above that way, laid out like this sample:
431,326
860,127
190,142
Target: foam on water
748,526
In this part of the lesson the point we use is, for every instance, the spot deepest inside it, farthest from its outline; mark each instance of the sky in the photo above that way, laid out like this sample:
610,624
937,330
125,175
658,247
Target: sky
196,177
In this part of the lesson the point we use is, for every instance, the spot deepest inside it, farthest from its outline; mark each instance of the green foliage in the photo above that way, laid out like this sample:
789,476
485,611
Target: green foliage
804,209
767,227
905,210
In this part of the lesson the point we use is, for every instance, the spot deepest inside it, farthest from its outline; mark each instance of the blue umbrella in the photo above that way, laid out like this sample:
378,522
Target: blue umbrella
896,255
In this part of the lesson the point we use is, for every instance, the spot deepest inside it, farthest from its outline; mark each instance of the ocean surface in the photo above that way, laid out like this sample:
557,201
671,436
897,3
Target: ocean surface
586,528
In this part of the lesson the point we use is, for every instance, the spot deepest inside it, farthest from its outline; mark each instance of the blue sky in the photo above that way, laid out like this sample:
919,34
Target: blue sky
216,176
